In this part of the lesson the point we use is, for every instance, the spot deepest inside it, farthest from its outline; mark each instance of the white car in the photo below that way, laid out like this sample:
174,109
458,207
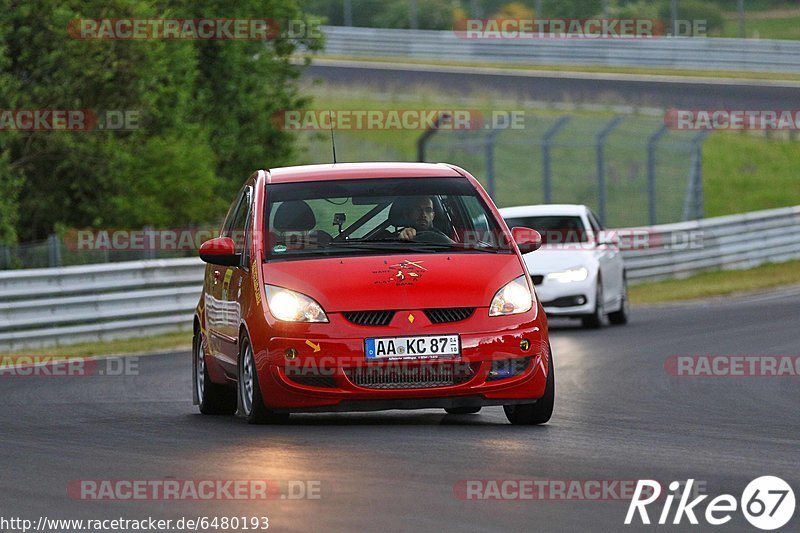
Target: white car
578,272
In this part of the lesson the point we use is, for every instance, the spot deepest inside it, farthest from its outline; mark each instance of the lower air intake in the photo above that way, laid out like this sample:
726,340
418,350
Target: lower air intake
405,376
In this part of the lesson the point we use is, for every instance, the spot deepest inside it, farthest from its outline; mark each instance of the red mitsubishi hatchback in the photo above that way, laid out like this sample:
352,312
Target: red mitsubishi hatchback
369,286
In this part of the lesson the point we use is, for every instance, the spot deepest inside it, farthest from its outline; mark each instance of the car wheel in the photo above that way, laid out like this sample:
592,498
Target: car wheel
251,404
541,411
462,410
214,399
620,317
595,320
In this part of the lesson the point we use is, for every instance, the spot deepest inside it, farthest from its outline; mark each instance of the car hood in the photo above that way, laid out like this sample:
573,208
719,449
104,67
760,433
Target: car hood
414,281
553,259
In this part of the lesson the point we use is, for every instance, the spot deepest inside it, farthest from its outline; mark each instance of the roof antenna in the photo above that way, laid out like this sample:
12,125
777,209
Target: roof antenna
333,142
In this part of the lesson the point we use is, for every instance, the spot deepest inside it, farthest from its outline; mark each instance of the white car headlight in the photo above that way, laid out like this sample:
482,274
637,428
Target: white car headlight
292,306
572,274
513,298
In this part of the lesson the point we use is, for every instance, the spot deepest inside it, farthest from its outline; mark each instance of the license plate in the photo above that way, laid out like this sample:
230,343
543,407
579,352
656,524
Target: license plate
428,347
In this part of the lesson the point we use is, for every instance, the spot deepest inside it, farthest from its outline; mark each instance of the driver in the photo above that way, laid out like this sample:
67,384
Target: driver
419,213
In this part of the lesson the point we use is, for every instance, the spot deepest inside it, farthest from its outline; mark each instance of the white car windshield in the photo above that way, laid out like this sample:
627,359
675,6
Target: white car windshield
555,229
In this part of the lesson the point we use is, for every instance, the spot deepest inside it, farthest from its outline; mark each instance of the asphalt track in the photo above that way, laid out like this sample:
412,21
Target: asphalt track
618,416
632,90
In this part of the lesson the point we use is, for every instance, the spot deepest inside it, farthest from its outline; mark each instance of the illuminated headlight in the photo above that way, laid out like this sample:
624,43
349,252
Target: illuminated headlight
292,306
567,276
513,298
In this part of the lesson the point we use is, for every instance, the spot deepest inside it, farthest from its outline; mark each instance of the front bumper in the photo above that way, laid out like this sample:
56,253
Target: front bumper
320,375
563,299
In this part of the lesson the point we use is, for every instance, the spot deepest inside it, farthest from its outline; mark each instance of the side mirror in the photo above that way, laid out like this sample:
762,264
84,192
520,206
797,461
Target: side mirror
527,239
607,238
220,251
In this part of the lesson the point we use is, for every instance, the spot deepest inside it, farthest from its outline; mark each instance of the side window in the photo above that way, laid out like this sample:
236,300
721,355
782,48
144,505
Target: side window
482,230
237,225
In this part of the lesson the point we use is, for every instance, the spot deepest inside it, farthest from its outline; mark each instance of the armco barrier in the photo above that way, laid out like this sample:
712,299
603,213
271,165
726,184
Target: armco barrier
659,52
68,305
60,306
727,243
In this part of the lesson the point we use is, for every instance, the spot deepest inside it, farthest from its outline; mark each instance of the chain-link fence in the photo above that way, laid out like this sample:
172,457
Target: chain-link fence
630,169
58,251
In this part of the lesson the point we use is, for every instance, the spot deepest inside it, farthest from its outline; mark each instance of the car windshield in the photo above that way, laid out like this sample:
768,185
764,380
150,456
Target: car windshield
379,216
554,229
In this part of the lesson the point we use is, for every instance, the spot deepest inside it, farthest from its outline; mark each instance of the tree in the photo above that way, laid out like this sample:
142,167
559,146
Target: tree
205,111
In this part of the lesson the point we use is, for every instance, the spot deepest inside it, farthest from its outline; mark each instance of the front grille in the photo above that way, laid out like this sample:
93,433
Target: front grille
449,314
369,318
537,280
404,376
308,380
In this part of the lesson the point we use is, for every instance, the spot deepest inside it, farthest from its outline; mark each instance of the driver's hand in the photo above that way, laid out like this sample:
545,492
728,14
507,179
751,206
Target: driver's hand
407,234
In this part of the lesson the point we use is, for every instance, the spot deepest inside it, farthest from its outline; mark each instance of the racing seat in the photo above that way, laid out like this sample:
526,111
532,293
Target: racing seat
294,223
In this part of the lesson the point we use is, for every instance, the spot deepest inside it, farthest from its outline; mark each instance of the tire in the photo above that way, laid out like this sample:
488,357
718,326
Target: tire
595,320
214,399
251,404
462,410
531,414
619,318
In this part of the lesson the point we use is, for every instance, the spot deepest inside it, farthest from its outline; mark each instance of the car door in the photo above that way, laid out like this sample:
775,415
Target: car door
215,312
231,282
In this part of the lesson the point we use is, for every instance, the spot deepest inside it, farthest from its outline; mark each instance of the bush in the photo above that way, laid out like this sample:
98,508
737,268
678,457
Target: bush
694,10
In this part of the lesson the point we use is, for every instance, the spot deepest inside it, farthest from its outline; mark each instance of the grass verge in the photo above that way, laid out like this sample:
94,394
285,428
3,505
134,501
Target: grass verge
741,172
158,343
720,283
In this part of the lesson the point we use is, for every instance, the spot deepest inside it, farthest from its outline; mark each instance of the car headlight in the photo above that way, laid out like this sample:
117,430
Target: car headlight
513,298
572,274
292,306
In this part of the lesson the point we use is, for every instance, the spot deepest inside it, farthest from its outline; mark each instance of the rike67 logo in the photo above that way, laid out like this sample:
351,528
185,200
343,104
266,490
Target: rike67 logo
767,503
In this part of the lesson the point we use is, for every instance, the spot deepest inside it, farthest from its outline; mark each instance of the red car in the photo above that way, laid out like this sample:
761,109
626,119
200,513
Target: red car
369,286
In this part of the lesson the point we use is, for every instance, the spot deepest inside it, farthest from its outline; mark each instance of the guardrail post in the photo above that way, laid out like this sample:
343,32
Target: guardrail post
490,143
651,173
674,16
475,8
53,251
413,15
422,141
600,142
547,139
348,13
742,32
693,208
149,251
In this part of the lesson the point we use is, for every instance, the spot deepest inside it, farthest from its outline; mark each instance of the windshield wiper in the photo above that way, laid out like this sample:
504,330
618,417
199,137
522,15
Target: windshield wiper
416,246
